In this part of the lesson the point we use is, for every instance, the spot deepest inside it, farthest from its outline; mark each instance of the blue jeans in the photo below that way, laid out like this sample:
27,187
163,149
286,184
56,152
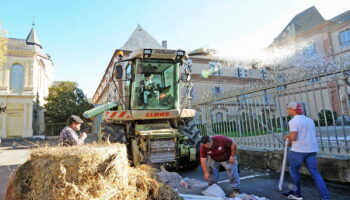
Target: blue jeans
231,169
296,159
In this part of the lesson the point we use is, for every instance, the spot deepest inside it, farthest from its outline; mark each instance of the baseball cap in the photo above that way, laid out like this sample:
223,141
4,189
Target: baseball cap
296,106
76,119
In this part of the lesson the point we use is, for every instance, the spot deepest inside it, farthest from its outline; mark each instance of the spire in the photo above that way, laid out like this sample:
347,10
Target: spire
32,38
140,39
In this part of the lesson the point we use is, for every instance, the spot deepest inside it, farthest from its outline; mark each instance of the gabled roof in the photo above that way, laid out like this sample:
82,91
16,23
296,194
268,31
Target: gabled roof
301,22
344,17
33,39
140,39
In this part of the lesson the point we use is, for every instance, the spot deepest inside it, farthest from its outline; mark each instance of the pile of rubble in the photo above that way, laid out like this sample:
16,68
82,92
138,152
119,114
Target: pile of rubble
193,189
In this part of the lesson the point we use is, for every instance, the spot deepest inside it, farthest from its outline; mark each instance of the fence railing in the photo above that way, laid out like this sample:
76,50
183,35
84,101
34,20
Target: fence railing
255,115
54,129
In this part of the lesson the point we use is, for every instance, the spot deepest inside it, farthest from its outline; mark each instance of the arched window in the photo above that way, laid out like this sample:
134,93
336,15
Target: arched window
17,77
219,117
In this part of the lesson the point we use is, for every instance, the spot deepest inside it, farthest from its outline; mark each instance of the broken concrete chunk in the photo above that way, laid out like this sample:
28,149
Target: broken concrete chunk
192,186
214,191
171,178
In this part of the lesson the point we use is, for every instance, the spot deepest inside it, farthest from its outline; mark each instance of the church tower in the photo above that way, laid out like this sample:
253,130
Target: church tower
24,82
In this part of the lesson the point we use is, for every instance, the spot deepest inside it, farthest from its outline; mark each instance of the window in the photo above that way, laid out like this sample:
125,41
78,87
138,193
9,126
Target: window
215,68
198,118
345,38
309,50
127,81
219,117
154,85
314,80
265,96
243,98
17,77
263,74
281,79
217,90
241,72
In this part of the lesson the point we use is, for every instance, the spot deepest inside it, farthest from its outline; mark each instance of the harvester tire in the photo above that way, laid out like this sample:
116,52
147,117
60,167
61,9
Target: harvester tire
113,133
192,133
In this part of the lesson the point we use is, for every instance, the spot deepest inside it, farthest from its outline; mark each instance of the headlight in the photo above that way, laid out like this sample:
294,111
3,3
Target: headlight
180,53
147,53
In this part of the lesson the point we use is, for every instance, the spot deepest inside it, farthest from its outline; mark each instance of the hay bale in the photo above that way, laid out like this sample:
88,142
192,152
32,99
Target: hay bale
81,172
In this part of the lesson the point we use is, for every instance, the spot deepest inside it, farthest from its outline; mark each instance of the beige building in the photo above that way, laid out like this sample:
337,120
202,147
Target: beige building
214,75
24,81
312,40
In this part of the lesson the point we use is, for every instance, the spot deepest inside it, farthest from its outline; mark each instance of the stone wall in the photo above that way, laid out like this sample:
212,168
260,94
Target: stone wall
332,167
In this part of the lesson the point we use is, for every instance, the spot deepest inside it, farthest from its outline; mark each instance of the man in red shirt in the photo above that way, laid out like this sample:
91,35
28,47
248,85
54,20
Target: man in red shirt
219,151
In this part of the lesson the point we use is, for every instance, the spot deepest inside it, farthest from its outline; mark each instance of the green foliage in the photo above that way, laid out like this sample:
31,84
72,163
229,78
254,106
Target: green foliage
326,117
202,129
64,100
224,127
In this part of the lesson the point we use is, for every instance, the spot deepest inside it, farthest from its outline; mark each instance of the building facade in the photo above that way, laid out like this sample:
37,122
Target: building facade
316,45
313,40
24,81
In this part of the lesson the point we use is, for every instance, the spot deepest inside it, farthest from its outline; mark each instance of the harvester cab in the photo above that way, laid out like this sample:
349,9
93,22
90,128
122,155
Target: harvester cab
149,118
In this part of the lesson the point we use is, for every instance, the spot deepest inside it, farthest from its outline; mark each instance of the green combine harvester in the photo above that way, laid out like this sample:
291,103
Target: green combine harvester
150,120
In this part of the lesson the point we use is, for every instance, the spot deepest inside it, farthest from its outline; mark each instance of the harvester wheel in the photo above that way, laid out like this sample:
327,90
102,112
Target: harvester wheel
192,133
113,133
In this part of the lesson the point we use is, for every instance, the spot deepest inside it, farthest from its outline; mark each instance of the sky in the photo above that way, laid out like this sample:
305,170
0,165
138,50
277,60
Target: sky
81,35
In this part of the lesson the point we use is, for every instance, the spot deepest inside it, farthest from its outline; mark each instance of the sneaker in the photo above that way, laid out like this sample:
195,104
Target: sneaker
234,193
291,195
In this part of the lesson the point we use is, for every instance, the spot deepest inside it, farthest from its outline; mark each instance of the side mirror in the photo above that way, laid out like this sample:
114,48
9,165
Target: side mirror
119,71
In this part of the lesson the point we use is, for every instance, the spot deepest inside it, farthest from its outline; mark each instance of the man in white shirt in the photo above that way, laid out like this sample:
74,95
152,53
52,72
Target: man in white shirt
302,136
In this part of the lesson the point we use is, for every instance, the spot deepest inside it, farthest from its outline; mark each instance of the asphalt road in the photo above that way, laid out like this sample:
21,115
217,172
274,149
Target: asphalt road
264,183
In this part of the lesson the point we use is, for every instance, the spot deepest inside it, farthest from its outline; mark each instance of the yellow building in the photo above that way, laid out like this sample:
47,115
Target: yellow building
24,81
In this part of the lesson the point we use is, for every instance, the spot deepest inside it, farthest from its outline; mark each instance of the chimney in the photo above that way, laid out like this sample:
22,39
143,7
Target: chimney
165,44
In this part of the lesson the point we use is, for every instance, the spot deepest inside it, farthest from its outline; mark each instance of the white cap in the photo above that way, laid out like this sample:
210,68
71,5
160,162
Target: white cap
296,106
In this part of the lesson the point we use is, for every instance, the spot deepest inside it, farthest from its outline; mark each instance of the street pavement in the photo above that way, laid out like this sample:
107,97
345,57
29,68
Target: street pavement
262,183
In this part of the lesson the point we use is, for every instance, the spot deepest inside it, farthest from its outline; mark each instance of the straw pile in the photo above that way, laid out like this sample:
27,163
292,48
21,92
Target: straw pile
85,172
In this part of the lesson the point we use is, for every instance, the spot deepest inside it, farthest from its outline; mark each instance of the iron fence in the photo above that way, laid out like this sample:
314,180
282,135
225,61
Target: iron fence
255,115
54,129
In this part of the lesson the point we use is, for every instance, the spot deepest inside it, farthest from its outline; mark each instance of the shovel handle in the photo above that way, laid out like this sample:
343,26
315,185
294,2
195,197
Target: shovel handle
283,165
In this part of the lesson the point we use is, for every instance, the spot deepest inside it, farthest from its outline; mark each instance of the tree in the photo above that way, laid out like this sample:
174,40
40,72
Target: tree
326,117
64,100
